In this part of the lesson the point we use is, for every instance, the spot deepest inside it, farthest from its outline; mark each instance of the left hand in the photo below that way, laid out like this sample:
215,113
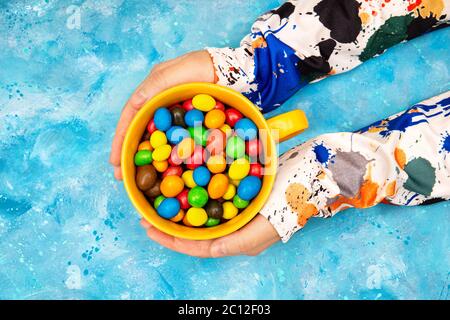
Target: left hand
251,240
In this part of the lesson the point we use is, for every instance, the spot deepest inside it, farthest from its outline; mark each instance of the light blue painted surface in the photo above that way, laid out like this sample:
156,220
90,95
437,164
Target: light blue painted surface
67,229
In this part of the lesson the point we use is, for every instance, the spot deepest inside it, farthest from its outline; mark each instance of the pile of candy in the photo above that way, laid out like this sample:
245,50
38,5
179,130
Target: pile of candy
199,162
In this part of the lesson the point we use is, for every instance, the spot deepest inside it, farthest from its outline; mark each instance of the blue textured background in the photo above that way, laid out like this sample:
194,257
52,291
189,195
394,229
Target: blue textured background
67,229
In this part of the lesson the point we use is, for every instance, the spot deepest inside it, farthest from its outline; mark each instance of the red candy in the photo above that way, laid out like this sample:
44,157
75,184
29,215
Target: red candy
174,160
256,170
216,142
173,171
253,148
219,105
175,105
187,105
183,199
232,116
197,158
151,127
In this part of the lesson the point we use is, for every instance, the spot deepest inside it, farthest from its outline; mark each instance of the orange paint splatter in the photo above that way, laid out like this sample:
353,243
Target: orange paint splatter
297,198
400,157
390,189
366,197
259,43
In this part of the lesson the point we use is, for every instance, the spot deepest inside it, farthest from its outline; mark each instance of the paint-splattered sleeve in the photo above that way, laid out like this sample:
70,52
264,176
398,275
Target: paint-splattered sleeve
308,40
402,160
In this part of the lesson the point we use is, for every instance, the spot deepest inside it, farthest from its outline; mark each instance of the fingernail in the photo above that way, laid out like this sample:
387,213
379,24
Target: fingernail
145,223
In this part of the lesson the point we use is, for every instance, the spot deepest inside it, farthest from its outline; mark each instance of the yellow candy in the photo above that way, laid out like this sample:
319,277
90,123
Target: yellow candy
188,178
239,169
218,186
185,148
229,210
145,145
158,139
231,191
226,129
196,217
216,164
203,102
179,217
162,153
214,119
161,166
171,186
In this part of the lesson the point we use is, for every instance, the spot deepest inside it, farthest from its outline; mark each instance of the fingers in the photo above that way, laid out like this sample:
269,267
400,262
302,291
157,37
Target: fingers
258,235
192,67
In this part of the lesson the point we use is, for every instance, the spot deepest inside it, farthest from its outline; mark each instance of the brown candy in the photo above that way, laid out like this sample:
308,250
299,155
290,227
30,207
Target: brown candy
214,209
178,116
154,191
146,177
146,136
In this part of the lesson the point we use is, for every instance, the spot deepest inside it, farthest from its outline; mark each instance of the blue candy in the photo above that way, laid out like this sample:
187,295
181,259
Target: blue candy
176,134
194,117
201,176
169,208
163,119
249,188
246,129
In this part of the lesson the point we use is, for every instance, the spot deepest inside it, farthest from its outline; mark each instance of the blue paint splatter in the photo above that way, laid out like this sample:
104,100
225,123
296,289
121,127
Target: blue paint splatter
446,144
322,153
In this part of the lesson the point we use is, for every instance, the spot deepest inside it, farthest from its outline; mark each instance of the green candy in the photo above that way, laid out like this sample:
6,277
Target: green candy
235,147
199,134
198,197
240,203
212,222
143,158
158,201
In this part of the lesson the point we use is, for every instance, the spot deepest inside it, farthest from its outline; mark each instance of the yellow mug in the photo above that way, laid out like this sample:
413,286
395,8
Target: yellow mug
285,125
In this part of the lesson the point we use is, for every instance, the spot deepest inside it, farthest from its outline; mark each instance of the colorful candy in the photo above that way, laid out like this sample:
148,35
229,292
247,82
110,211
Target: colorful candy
235,147
162,153
163,119
196,217
249,188
198,197
229,210
185,148
176,134
215,119
246,129
143,158
188,178
194,118
239,202
214,209
171,186
201,176
168,208
146,177
158,139
182,162
218,186
178,114
239,169
203,102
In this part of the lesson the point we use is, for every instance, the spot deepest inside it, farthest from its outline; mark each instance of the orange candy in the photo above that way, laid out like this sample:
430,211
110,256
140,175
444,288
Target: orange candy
171,186
160,166
215,119
216,164
218,186
179,217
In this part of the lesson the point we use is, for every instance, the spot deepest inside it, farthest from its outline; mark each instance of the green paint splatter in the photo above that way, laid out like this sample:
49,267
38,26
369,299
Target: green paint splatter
392,32
421,176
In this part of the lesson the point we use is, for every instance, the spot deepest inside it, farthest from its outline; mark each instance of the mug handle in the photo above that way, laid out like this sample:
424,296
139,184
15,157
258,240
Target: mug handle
288,124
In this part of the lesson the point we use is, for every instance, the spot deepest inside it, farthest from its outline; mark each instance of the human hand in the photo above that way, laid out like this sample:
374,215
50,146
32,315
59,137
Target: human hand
251,240
193,67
